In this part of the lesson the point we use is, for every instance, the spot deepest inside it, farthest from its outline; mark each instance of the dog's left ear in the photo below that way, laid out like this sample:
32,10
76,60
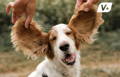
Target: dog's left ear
32,41
85,24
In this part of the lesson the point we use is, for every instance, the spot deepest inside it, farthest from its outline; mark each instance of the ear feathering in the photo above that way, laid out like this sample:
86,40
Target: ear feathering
32,41
85,24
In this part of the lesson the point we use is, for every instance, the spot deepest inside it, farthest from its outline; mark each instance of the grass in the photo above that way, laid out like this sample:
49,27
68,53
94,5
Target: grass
99,72
15,62
101,59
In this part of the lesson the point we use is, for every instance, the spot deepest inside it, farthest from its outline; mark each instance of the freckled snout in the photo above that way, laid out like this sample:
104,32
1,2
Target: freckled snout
64,46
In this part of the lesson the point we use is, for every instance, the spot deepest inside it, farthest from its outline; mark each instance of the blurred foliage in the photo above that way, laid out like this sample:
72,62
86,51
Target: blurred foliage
52,12
112,19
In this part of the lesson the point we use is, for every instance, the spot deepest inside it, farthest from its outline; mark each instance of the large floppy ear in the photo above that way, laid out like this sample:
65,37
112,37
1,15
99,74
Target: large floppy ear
85,24
32,41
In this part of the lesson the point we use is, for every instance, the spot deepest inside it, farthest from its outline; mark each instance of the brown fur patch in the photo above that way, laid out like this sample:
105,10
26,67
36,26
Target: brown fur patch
85,24
32,41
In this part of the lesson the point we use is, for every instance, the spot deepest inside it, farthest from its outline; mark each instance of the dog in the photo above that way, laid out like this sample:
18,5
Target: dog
60,46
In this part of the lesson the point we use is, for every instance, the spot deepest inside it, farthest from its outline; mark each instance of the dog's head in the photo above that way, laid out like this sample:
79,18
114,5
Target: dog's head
62,41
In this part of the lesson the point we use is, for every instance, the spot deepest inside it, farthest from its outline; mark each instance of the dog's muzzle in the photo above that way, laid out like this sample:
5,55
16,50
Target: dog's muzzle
69,59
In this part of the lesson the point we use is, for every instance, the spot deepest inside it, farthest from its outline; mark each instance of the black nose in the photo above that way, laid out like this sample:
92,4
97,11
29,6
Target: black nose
64,47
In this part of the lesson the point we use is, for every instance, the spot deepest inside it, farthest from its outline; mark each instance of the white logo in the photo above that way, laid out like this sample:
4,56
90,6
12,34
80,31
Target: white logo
104,7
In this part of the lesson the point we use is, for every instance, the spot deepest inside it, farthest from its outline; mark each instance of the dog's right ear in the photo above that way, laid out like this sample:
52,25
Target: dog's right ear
85,24
32,41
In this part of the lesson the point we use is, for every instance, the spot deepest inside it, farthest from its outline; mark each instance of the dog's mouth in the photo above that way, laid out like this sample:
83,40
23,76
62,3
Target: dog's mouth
69,59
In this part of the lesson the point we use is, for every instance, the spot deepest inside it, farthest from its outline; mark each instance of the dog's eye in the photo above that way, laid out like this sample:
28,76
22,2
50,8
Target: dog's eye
68,33
53,38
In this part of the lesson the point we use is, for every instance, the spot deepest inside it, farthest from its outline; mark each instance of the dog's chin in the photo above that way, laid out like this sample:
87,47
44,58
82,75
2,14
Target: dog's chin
69,59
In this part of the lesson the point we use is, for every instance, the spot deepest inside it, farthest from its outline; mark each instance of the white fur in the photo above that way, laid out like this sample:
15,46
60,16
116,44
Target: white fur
55,67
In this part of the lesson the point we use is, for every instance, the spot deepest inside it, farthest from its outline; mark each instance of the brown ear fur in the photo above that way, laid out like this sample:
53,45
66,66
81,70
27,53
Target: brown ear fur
85,24
31,41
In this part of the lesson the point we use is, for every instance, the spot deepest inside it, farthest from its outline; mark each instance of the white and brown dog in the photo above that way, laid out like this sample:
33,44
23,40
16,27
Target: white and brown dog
60,46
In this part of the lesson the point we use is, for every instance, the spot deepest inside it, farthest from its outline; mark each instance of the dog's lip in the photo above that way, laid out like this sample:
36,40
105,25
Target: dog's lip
69,59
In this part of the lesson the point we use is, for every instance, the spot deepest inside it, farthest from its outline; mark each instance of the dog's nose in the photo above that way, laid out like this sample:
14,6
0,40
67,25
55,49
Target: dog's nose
64,47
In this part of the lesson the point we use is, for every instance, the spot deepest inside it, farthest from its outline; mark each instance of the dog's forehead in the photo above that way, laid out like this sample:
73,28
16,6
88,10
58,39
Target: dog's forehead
60,27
